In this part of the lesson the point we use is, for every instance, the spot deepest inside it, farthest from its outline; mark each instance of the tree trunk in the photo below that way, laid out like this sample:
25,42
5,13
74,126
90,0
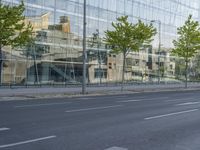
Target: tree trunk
186,74
123,71
26,78
100,69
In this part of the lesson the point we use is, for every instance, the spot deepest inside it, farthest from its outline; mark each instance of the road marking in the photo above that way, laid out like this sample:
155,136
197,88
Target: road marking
37,105
28,141
179,99
116,148
126,101
188,103
127,98
94,108
4,129
118,96
171,114
84,98
141,99
156,98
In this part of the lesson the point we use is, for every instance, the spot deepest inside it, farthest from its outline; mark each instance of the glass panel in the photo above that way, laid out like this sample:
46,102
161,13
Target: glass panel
56,55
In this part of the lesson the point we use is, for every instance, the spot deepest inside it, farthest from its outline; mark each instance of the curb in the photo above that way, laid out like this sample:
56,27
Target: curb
39,96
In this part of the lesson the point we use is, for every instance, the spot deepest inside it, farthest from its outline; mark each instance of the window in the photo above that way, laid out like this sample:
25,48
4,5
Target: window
110,65
171,67
100,73
136,74
136,62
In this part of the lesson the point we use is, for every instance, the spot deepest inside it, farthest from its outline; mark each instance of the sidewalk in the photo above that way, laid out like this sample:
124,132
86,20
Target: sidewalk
50,92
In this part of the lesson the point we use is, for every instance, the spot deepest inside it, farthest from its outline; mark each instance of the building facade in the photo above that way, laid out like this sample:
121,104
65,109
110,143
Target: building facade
56,55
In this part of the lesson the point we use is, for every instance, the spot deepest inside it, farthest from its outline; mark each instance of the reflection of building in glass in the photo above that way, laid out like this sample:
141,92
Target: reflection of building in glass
56,55
38,22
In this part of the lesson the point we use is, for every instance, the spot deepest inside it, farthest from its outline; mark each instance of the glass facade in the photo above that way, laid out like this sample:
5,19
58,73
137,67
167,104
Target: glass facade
56,55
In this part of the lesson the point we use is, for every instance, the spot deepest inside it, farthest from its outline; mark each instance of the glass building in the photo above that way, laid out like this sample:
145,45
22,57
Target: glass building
56,55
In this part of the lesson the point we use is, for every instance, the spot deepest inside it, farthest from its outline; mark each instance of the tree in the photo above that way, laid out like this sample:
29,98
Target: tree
179,69
188,42
14,32
127,37
195,67
96,43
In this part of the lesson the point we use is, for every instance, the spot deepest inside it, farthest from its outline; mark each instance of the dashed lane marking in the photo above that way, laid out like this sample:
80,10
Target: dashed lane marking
171,114
26,142
116,148
179,99
93,108
129,101
4,129
188,103
38,105
141,99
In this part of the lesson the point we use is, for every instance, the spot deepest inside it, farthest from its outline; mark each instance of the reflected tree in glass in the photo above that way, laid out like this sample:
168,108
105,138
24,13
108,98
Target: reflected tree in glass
187,44
126,37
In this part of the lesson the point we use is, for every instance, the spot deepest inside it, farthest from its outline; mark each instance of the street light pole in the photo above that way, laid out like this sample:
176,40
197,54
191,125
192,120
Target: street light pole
84,49
99,56
159,46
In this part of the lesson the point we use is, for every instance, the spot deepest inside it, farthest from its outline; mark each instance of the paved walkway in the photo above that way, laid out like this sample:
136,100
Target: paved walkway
41,92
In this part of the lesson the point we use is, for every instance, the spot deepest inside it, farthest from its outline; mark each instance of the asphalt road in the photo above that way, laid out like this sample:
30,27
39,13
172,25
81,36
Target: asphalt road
143,121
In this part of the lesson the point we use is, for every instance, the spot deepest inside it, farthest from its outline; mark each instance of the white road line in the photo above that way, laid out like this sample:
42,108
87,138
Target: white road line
125,98
126,101
4,129
28,141
84,98
94,108
37,105
141,99
118,96
116,148
188,103
171,114
156,98
179,99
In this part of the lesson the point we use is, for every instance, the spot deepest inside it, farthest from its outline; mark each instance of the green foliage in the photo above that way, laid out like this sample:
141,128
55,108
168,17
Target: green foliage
195,68
14,32
189,40
128,37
